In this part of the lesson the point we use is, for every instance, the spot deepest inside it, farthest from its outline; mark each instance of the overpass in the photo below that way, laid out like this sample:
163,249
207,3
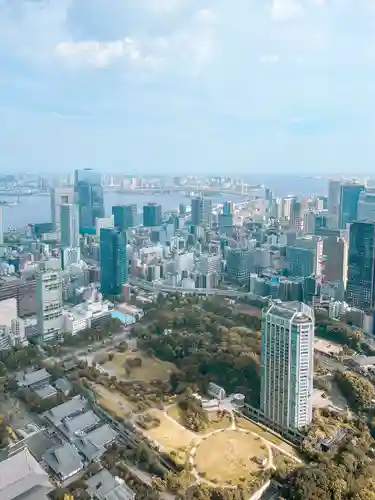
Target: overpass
159,287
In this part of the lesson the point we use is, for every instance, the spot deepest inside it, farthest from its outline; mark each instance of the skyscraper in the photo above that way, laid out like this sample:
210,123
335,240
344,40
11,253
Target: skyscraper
287,359
69,226
49,301
334,189
152,215
89,196
366,205
124,216
60,196
349,197
360,287
1,226
113,263
201,212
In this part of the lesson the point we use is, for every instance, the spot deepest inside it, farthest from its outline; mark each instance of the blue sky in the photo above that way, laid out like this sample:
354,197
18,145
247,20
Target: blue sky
188,86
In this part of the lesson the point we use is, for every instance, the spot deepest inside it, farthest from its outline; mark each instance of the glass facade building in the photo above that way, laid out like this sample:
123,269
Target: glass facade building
113,263
360,287
287,364
124,216
89,197
152,215
349,197
201,212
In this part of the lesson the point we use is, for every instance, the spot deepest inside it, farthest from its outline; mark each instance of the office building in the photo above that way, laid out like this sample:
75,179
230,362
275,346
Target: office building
152,215
60,196
113,264
239,264
49,300
89,196
349,197
287,364
360,287
296,218
103,223
305,257
335,250
334,190
201,212
124,216
366,205
69,225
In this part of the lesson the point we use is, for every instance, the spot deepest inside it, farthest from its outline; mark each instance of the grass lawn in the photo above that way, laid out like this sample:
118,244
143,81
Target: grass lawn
243,423
228,456
113,401
170,435
223,423
151,369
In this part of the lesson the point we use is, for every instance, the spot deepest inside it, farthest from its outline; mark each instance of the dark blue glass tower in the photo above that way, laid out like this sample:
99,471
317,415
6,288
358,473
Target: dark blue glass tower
152,216
89,197
113,264
124,216
349,197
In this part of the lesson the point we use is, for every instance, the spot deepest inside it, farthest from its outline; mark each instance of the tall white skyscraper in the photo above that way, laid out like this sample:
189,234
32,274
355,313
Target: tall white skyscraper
49,300
60,196
69,225
287,364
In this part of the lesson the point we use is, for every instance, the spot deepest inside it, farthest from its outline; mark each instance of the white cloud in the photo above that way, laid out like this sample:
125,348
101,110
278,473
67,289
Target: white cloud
286,9
99,54
269,59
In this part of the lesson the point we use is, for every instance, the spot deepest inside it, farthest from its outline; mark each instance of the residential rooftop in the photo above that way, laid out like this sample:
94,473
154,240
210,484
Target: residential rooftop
45,392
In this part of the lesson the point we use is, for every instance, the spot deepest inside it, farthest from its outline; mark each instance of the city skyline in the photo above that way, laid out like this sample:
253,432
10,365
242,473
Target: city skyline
185,86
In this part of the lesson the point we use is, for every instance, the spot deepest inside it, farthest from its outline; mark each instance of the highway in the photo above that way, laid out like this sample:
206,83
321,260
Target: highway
149,287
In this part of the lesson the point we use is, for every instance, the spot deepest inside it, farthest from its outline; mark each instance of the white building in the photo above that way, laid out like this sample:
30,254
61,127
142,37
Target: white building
287,364
49,300
18,332
209,263
60,196
80,317
104,223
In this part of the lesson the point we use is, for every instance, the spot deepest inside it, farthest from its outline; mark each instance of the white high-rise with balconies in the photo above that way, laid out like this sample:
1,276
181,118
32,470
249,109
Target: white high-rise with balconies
287,364
49,300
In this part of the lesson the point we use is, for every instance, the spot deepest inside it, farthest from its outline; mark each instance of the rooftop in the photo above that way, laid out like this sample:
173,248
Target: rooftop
45,392
64,460
74,426
93,444
63,385
69,408
21,475
27,379
104,486
361,360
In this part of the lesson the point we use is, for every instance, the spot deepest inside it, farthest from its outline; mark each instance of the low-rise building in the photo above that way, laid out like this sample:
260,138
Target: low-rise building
22,477
55,417
33,380
104,486
78,425
64,460
82,316
94,443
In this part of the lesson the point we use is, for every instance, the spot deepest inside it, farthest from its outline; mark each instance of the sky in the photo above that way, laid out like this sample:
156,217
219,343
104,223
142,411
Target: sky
217,87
